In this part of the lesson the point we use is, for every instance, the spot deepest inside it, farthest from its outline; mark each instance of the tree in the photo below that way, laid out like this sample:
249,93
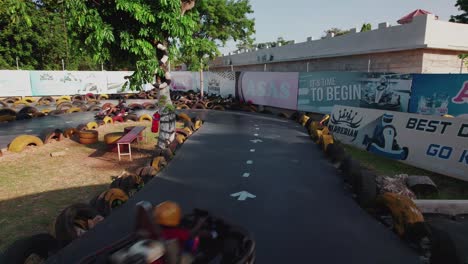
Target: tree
145,33
464,61
218,22
37,41
366,27
336,31
462,18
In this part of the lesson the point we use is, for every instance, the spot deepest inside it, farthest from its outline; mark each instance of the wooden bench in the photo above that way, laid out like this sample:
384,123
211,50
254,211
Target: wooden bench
128,138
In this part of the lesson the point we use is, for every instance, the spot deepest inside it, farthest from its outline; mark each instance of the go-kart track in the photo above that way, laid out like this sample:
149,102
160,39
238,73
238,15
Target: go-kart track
262,173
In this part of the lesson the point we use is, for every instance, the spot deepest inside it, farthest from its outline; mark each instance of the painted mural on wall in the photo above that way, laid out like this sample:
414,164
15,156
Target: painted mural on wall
320,91
440,94
278,89
220,83
185,81
67,82
434,143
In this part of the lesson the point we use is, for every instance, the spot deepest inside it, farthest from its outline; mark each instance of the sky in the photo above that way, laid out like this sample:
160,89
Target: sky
299,19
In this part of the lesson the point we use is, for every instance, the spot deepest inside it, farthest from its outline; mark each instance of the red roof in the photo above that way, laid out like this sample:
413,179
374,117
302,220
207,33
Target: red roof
408,18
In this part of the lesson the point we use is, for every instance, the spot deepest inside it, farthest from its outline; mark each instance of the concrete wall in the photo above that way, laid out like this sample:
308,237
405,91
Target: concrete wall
401,48
442,61
401,61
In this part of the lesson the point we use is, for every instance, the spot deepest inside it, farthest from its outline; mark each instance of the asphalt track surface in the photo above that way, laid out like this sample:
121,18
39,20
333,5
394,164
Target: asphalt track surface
301,213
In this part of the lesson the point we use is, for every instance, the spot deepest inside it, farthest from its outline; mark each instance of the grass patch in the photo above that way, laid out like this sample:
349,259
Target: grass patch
449,188
35,187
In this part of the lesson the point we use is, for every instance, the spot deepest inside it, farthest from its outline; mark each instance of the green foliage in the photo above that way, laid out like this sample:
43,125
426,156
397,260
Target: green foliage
218,21
462,18
464,58
125,32
336,31
35,32
366,27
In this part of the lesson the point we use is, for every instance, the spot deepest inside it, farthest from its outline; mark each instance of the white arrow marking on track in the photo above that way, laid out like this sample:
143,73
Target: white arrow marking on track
243,195
249,162
255,141
246,175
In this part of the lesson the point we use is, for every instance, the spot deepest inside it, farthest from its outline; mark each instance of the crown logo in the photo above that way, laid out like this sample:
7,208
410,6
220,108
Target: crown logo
346,117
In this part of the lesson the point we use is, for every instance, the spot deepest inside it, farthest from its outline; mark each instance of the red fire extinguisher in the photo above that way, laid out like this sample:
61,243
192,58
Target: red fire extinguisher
155,124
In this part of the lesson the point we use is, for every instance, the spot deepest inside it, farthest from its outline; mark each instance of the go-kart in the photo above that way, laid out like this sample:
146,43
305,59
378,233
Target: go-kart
225,243
381,98
120,113
384,143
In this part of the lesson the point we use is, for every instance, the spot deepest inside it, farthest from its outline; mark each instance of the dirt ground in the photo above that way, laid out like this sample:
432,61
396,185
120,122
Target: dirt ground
35,187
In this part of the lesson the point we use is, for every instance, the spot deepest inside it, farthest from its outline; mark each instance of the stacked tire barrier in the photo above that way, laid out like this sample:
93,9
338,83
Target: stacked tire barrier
77,219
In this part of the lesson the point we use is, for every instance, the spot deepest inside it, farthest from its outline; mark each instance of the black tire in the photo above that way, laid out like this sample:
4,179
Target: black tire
42,245
7,111
339,154
23,116
3,104
46,99
63,105
78,103
354,175
56,112
65,223
136,107
131,117
28,110
330,151
94,108
81,127
366,189
49,135
146,173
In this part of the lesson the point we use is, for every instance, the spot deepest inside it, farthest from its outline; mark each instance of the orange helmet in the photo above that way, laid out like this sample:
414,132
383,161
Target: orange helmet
168,213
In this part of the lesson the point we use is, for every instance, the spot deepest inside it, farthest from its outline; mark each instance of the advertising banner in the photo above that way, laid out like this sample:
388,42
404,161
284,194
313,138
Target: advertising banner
67,82
320,91
185,81
15,83
220,83
277,89
433,143
440,94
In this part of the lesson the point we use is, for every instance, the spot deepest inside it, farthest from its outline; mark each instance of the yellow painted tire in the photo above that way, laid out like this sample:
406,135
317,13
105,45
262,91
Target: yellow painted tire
180,138
158,163
103,97
184,116
59,101
319,136
327,140
29,99
198,124
74,110
145,117
20,102
88,134
64,98
46,111
92,125
108,120
304,120
188,130
111,138
20,142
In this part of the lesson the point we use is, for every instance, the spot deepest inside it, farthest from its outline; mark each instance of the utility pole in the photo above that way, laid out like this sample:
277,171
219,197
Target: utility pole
65,29
201,78
17,63
63,65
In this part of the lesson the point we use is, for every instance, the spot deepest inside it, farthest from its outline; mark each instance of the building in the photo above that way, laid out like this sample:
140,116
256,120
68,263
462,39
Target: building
425,45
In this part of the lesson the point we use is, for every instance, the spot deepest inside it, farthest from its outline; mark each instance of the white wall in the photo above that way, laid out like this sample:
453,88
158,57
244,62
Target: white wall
423,32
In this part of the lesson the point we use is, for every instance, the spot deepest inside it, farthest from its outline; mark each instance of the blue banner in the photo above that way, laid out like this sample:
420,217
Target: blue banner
440,94
320,91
